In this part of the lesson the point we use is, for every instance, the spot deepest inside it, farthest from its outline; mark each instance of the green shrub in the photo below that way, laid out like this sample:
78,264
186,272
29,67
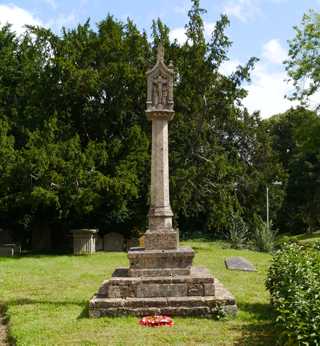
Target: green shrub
238,232
294,284
264,236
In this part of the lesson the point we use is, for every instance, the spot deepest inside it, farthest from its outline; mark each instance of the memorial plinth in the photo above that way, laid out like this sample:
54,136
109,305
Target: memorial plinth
160,278
84,241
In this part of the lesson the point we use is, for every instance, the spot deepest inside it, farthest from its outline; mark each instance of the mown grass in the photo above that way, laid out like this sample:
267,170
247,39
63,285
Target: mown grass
46,300
303,239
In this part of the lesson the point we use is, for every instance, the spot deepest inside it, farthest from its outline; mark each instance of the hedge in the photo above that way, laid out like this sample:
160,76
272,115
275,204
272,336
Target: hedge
294,284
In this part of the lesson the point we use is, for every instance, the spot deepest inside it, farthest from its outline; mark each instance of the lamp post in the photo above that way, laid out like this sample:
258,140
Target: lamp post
268,207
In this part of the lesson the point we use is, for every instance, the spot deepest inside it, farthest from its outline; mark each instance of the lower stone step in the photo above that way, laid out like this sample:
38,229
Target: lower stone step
221,302
199,283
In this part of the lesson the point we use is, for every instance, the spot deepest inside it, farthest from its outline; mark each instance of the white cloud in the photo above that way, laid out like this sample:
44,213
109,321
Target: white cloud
243,10
180,33
268,86
274,52
228,67
267,91
63,20
17,17
208,29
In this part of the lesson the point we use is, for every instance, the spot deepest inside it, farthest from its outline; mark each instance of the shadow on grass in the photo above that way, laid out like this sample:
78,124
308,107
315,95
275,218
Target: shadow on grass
260,332
84,313
4,330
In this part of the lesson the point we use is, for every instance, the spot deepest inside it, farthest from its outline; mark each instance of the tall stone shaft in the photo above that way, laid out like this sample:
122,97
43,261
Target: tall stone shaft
160,199
160,112
160,214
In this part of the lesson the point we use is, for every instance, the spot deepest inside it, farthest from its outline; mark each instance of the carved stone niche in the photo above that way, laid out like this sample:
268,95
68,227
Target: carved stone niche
160,85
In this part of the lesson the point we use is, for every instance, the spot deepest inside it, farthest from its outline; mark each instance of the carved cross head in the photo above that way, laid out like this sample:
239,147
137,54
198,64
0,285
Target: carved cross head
160,84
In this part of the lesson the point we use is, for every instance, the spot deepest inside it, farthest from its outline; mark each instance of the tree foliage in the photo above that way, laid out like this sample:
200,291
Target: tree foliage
75,139
303,65
296,141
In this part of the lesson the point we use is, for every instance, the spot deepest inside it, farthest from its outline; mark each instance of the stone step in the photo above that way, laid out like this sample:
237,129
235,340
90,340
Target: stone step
160,262
199,283
174,306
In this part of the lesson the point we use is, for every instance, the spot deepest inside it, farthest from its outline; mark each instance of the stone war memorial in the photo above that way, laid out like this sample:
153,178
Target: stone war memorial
160,278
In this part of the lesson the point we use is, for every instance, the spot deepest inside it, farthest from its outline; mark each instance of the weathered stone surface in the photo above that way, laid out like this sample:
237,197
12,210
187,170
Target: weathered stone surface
175,306
195,289
84,241
209,289
161,290
198,284
160,111
239,263
151,259
167,240
99,243
170,272
10,250
222,294
120,272
113,242
6,251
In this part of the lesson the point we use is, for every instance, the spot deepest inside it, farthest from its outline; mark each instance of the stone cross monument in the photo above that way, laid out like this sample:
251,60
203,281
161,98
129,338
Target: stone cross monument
160,278
160,111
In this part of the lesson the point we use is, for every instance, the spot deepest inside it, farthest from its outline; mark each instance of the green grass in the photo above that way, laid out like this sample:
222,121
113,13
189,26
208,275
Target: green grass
305,238
46,299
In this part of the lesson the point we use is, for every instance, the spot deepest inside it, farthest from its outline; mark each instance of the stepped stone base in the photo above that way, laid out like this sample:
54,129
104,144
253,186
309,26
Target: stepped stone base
154,240
160,262
196,294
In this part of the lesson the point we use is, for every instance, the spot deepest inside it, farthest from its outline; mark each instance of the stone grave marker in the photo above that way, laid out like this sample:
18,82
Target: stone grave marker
10,250
113,242
99,243
239,263
84,241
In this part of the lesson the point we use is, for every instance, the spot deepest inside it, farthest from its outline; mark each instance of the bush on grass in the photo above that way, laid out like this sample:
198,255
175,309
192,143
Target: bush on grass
264,236
238,232
294,284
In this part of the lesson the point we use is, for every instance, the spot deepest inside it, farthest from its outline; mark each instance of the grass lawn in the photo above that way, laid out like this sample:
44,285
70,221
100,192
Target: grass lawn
303,239
46,299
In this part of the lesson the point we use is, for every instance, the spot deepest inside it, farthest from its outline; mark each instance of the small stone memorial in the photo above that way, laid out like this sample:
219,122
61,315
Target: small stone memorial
6,251
161,279
99,243
239,263
84,241
10,250
113,242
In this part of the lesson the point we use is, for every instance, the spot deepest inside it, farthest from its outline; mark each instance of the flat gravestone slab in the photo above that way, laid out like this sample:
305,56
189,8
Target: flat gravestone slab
239,263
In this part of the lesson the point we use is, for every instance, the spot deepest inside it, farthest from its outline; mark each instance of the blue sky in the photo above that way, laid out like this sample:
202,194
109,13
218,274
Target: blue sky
258,28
